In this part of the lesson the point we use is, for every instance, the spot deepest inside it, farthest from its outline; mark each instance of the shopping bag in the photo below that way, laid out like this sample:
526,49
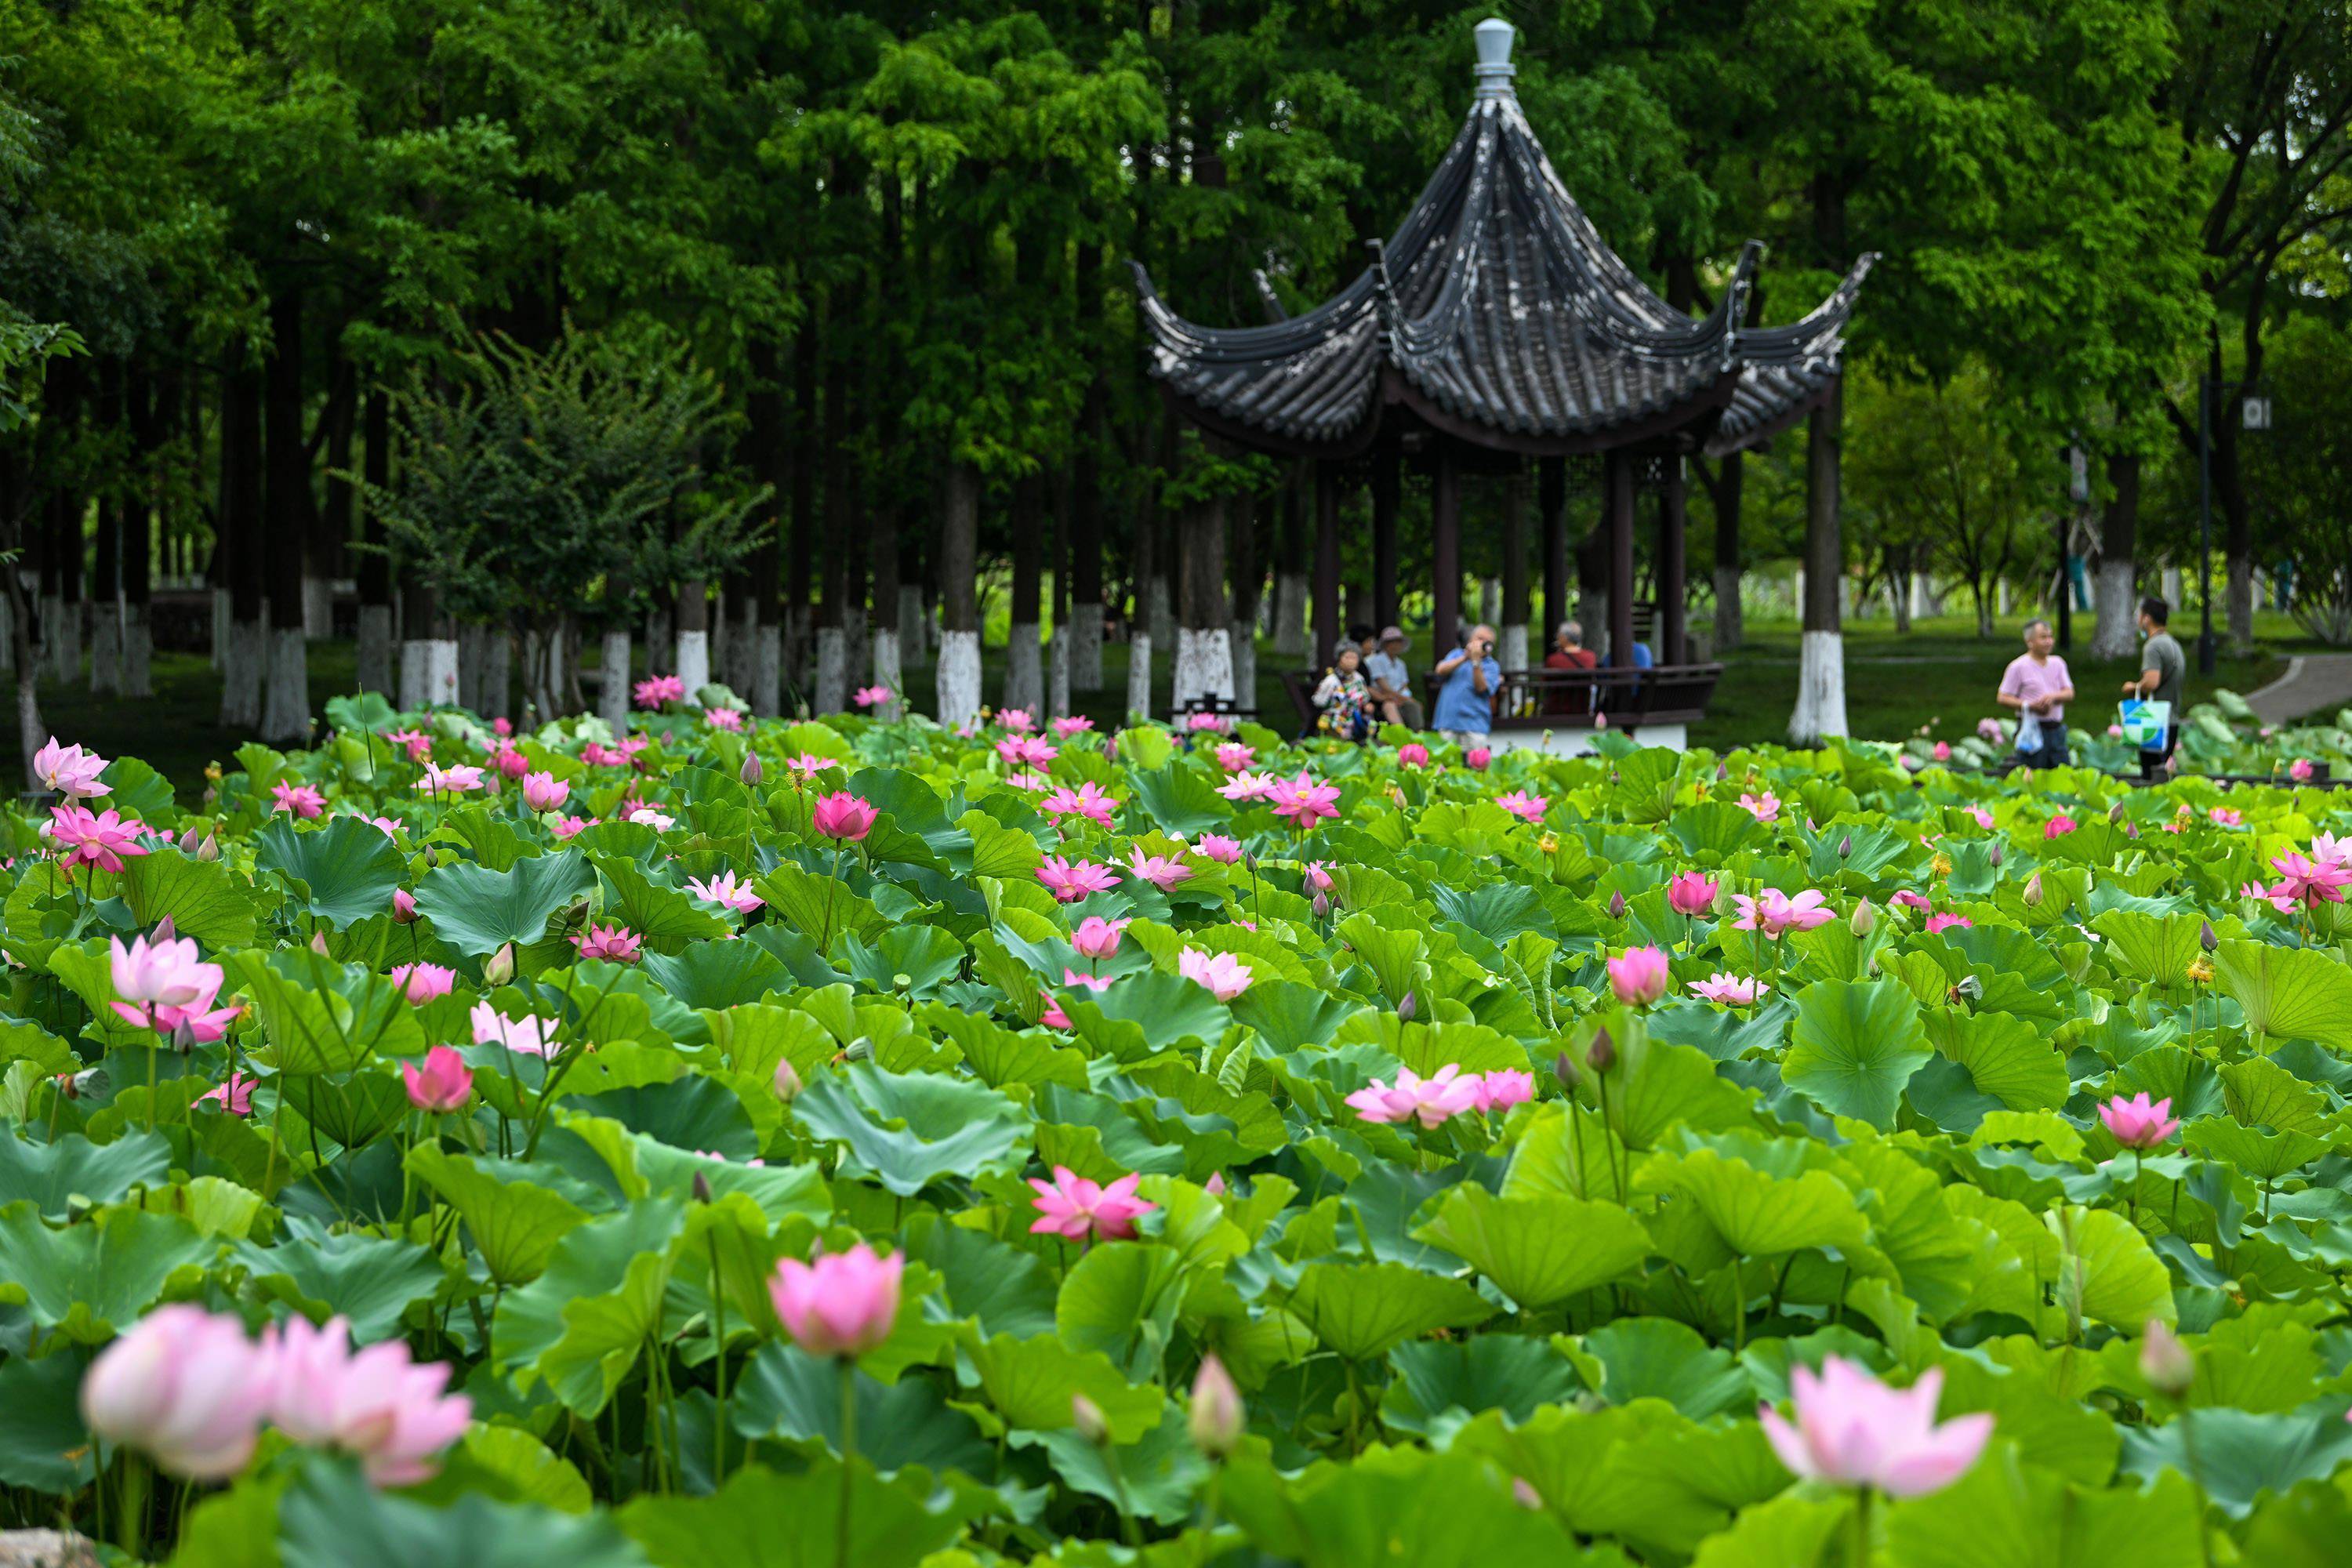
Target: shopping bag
2145,723
2028,731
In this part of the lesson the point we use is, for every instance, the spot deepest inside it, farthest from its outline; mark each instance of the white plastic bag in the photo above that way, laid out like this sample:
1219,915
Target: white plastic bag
2029,731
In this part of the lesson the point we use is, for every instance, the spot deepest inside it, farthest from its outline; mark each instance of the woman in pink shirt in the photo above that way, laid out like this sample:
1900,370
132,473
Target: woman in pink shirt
2038,687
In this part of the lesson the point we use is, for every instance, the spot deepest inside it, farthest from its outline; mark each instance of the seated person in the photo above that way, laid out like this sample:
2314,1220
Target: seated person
1343,702
1391,681
1642,657
1569,653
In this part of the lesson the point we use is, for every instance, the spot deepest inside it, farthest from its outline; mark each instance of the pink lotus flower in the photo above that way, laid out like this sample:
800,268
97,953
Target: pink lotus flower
544,792
1910,899
1027,752
570,827
843,816
1215,1421
614,941
1943,752
725,891
1196,722
1097,937
1235,757
1852,1430
844,1304
415,742
526,1037
1729,990
1095,983
457,779
422,983
1983,817
2114,731
871,696
1017,719
1503,1089
502,726
2222,816
647,816
1947,922
508,759
1428,1101
1051,1014
1523,805
2300,770
375,1403
1318,879
403,907
1072,724
1162,871
1217,847
727,719
70,771
184,1387
1028,783
1476,758
95,838
1991,732
166,970
1776,914
443,1083
2328,849
1303,801
1070,1205
1692,893
1246,785
657,690
2308,883
1638,976
2137,1124
389,827
234,1095
1086,800
1765,807
2277,898
1413,754
1225,975
2058,826
1070,880
303,800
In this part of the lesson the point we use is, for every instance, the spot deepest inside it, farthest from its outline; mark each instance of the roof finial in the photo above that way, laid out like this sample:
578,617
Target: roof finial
1494,69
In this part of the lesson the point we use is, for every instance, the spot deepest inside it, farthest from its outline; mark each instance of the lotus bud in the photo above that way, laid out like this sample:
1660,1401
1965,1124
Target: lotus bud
1321,904
1970,988
1602,1054
1866,919
1088,1418
1525,1495
210,849
189,836
787,1082
1564,1066
499,967
165,931
1406,1007
2034,891
701,1188
861,1049
1217,1414
2207,937
752,769
2165,1362
1845,846
2000,853
403,907
1617,905
184,1038
1215,1186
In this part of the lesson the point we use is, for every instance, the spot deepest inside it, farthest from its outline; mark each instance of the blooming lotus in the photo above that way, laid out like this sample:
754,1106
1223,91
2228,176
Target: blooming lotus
1983,817
727,719
1638,976
1235,757
2058,826
1765,807
1991,732
1017,719
843,817
1729,990
1072,724
441,1082
1413,754
1027,752
1087,801
657,690
95,838
1911,898
871,696
415,742
2136,1124
1428,1101
725,891
1246,785
458,779
1095,983
544,792
1225,975
646,816
301,800
2309,882
508,761
1217,847
1852,1430
1070,880
1318,878
1523,805
844,1304
1503,1088
1196,722
184,1387
1947,922
1776,914
570,827
616,942
1162,871
233,1094
1097,937
1071,1205
2300,770
1302,801
421,983
376,1402
1692,893
166,969
70,771
526,1037
2222,816
1476,758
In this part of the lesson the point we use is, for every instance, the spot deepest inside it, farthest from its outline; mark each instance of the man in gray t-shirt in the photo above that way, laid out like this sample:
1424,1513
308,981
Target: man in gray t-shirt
2162,669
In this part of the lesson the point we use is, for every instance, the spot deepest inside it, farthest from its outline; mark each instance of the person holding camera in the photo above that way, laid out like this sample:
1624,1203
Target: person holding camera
1467,679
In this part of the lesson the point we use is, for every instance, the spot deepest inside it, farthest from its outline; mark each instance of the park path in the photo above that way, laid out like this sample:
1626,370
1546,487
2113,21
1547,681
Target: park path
2315,683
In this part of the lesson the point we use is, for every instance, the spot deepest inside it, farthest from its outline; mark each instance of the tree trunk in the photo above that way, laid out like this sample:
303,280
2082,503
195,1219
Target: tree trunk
957,670
374,565
1248,589
1820,672
1083,647
797,620
286,711
1723,488
1899,586
693,622
1024,670
1204,656
1512,648
240,524
2117,587
612,687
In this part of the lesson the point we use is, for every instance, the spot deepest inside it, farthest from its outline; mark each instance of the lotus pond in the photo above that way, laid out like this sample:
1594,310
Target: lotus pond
741,1144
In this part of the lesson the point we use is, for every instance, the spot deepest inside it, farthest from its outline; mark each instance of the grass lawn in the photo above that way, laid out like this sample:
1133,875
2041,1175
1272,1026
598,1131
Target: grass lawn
1940,672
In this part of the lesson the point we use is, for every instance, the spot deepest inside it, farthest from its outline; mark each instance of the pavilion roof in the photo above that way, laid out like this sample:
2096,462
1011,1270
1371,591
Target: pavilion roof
1497,312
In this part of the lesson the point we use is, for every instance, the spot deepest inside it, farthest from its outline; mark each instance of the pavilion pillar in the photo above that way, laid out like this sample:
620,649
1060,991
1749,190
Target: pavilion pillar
1618,487
1386,485
1446,506
1673,643
1327,562
1552,502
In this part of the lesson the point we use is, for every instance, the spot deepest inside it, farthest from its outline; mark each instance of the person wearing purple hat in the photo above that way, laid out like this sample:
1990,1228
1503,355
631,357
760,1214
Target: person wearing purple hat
1391,682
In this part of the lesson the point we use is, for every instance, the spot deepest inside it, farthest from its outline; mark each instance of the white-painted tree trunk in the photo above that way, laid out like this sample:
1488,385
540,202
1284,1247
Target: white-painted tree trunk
1917,588
1204,664
2003,599
105,650
2116,636
286,707
1592,612
1820,688
1245,654
831,693
1085,647
1057,674
375,647
958,678
318,608
694,661
2170,580
1161,614
1138,675
1512,651
914,635
767,670
886,672
241,672
1290,591
221,617
428,672
1024,667
612,687
138,652
1490,600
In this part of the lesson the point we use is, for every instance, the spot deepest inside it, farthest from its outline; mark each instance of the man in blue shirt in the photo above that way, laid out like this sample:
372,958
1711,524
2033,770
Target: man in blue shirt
1467,682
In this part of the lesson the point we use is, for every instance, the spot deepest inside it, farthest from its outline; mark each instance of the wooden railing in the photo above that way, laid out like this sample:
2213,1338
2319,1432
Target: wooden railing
1566,698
